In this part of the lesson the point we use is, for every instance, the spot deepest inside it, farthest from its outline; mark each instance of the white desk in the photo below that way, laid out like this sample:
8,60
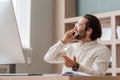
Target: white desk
58,78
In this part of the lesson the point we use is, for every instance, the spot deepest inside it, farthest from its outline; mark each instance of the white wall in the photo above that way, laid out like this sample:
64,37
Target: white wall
42,36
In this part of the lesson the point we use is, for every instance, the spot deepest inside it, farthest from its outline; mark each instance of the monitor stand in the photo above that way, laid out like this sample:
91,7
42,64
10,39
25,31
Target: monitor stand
12,68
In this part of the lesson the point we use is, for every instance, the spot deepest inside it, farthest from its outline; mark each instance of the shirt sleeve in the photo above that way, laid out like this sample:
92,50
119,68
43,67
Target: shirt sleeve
100,64
54,54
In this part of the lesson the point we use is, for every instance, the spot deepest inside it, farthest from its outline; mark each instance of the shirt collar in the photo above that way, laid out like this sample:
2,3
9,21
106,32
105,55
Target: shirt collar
84,46
87,44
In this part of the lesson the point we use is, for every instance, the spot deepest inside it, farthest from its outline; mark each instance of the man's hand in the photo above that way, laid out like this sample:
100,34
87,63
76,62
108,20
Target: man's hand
69,37
69,62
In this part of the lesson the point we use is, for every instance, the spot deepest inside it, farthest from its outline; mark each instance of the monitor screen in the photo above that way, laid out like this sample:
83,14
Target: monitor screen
11,51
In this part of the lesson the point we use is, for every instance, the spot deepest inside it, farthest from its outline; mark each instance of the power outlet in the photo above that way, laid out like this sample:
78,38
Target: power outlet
3,70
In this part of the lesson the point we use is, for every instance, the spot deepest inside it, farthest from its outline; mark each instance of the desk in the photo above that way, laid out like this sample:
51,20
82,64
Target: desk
58,78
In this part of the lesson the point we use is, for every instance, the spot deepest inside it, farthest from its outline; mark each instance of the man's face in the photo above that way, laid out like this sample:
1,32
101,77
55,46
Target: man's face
80,27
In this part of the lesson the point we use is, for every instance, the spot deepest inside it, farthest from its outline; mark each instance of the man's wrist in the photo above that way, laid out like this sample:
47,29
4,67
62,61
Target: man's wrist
75,67
63,41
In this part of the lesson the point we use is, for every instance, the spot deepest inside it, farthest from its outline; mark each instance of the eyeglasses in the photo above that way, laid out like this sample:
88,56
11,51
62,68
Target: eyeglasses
77,24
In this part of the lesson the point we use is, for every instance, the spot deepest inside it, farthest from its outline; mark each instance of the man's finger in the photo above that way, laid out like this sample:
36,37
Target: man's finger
67,58
74,59
63,54
67,64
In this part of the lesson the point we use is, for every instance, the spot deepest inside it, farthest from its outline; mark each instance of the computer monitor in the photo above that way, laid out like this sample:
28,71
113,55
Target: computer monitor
11,51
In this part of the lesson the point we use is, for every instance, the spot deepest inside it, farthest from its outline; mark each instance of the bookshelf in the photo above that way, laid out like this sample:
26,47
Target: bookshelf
65,19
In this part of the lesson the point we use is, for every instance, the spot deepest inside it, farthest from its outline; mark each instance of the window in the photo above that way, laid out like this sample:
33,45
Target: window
23,12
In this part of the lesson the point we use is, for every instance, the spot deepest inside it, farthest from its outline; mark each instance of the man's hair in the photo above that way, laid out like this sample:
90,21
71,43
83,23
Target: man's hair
93,23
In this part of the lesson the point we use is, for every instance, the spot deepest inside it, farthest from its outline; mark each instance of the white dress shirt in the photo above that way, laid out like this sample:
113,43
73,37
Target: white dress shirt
92,57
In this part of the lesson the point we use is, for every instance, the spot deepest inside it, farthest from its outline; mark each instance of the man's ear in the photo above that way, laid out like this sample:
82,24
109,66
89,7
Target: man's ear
89,31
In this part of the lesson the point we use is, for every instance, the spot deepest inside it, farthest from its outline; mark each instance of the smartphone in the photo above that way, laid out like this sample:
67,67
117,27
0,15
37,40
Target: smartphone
76,35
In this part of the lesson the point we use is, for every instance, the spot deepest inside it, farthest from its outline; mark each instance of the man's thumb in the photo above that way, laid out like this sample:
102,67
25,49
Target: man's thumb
74,58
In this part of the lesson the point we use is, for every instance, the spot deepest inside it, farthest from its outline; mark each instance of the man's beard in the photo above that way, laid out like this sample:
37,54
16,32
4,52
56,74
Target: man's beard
81,35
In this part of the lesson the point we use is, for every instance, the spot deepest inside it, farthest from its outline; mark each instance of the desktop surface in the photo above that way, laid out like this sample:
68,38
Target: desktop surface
59,78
